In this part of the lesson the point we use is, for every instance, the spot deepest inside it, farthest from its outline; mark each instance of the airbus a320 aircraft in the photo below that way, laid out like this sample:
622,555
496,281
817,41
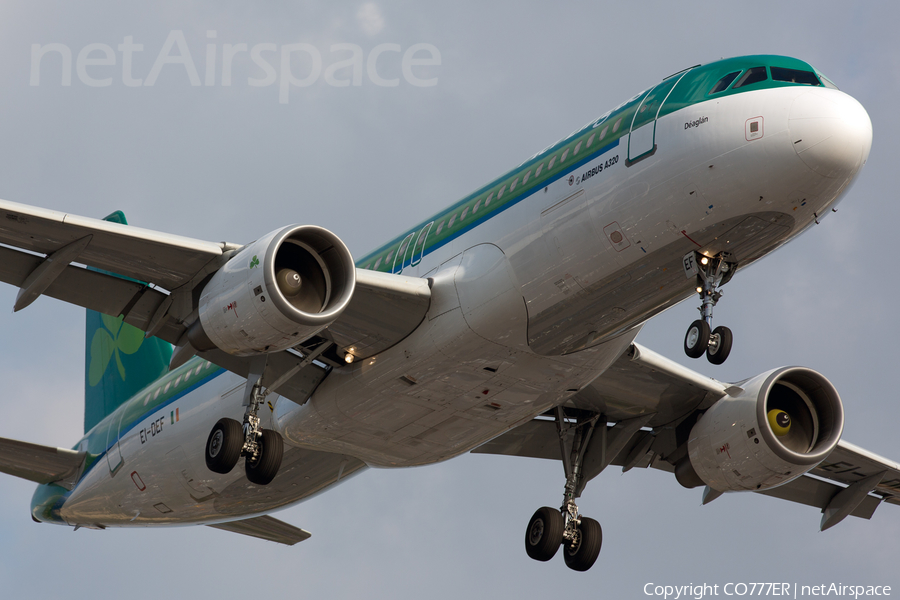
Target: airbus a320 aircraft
504,324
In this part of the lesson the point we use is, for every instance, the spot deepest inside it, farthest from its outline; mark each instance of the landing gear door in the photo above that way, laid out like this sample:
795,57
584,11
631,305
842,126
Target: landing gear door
114,453
642,137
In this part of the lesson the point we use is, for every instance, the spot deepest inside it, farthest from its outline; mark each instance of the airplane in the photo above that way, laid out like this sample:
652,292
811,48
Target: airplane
225,381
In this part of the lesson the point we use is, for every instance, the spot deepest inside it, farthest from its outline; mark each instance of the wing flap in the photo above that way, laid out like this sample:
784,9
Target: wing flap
266,528
298,387
534,439
41,464
818,493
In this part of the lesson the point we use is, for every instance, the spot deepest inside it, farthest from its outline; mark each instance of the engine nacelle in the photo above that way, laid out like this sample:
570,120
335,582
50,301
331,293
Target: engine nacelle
783,424
275,293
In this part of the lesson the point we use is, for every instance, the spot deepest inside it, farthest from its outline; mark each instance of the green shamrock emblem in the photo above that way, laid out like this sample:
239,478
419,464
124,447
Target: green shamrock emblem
109,341
254,262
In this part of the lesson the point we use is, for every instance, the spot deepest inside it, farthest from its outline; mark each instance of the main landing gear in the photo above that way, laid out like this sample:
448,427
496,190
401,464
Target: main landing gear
229,440
712,273
548,529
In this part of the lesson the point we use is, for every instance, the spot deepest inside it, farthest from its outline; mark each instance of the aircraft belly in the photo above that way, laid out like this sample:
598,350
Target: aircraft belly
465,376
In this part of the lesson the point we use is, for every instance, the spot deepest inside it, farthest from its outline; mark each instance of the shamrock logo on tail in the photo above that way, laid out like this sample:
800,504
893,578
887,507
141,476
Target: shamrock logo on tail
108,341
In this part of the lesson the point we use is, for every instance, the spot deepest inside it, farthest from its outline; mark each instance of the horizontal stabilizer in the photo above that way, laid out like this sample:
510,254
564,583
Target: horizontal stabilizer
266,528
41,464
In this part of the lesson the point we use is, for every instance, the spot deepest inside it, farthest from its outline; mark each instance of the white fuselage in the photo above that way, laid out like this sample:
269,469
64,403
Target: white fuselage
527,308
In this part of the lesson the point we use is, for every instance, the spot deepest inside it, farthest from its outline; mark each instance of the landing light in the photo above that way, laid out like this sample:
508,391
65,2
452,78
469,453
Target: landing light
348,358
704,261
699,290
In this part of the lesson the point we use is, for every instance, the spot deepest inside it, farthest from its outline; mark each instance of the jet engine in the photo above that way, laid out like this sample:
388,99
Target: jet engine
781,425
275,293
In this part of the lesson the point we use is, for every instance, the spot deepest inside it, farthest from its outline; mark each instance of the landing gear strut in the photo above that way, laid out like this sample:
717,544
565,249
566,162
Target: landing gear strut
548,529
712,273
263,448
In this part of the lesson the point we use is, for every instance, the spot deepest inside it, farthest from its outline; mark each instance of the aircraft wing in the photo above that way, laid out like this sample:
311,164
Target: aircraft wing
156,275
266,528
41,464
850,481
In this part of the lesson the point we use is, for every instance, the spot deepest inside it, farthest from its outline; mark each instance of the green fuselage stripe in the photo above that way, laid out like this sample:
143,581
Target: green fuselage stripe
688,88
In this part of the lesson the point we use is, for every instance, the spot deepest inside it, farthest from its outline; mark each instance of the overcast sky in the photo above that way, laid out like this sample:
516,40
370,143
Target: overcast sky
234,162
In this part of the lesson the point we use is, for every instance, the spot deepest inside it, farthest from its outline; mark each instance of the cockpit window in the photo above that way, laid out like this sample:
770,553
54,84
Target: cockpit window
750,76
794,76
724,82
828,83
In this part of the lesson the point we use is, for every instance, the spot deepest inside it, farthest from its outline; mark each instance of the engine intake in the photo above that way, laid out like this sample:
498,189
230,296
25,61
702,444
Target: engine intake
275,293
780,426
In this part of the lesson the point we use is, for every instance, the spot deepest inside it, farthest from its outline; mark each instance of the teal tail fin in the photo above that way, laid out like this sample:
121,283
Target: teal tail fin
119,362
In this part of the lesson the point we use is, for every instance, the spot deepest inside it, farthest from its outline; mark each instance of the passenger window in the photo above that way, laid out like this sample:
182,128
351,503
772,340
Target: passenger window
724,82
751,76
794,76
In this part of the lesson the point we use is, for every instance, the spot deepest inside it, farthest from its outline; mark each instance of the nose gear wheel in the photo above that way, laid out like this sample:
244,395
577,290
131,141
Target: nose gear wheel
700,338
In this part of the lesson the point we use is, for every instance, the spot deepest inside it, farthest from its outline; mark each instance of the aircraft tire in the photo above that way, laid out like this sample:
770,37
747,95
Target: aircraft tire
696,340
223,446
723,347
584,554
263,470
544,534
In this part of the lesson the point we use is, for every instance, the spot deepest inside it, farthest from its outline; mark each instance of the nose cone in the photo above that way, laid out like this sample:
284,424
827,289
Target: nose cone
831,132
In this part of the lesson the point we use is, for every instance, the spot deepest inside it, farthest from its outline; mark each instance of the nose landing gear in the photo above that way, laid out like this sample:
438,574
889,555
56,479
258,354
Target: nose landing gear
712,273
